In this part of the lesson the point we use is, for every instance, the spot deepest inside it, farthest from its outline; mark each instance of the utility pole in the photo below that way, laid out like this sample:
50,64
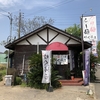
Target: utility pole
19,24
10,18
9,37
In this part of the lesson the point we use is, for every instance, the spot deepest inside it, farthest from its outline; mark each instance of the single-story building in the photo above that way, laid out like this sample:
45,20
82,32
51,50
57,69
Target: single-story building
65,48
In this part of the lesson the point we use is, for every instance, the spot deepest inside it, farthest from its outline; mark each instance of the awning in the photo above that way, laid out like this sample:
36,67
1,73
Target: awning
57,46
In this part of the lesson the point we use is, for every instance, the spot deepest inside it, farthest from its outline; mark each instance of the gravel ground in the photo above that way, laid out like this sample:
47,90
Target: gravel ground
26,93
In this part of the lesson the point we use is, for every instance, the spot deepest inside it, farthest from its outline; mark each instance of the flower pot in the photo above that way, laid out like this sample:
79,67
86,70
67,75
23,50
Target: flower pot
72,77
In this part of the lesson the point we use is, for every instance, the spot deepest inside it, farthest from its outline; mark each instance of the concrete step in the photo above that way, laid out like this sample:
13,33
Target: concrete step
74,82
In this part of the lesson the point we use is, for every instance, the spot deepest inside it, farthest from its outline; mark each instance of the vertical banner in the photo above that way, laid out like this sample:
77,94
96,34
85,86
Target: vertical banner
71,58
94,48
89,28
87,68
46,60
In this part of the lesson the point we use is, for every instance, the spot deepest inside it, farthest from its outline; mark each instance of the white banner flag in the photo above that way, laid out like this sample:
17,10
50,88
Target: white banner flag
94,47
46,60
89,28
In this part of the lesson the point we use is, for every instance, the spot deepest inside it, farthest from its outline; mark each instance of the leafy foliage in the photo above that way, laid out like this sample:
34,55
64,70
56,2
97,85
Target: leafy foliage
2,71
18,81
1,77
93,61
54,78
98,51
36,72
74,30
24,84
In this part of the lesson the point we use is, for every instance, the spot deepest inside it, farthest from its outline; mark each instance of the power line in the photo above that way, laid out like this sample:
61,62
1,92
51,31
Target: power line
48,8
4,10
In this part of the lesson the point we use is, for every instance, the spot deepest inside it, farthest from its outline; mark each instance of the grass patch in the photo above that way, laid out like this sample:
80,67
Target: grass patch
2,71
3,65
23,84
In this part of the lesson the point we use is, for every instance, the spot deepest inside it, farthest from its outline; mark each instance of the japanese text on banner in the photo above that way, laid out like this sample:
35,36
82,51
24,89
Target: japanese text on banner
89,28
46,60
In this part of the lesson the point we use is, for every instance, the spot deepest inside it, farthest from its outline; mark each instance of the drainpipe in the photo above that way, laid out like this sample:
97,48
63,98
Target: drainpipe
37,47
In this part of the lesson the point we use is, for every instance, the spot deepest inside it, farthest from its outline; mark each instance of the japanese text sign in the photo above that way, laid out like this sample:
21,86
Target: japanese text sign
89,28
46,60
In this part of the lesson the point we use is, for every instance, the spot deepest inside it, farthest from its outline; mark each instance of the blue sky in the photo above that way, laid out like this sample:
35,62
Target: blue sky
65,13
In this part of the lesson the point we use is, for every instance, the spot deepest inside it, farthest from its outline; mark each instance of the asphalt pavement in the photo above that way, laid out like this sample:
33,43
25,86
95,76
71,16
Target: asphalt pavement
97,83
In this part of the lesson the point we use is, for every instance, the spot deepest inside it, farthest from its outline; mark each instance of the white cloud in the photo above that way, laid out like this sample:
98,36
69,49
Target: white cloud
27,4
8,3
38,3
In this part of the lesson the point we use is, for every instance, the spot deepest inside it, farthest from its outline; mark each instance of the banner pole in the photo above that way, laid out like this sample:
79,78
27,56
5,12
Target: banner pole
50,89
50,86
82,41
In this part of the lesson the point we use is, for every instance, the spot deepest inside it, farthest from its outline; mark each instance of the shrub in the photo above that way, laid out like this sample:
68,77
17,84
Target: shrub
36,72
1,77
93,70
18,81
2,72
24,84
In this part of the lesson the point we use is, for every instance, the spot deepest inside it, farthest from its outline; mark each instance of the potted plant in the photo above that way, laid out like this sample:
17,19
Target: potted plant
72,74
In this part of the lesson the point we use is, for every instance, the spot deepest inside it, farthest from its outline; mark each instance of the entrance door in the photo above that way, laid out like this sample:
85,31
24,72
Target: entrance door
62,69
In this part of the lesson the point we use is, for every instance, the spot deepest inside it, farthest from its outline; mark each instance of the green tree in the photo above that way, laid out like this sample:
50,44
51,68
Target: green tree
98,51
93,61
74,30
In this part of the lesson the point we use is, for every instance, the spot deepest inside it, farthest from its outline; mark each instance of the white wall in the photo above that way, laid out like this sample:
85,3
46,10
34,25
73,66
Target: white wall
36,39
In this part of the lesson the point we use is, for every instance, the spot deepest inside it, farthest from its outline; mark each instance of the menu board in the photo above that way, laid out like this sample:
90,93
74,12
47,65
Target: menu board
60,59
